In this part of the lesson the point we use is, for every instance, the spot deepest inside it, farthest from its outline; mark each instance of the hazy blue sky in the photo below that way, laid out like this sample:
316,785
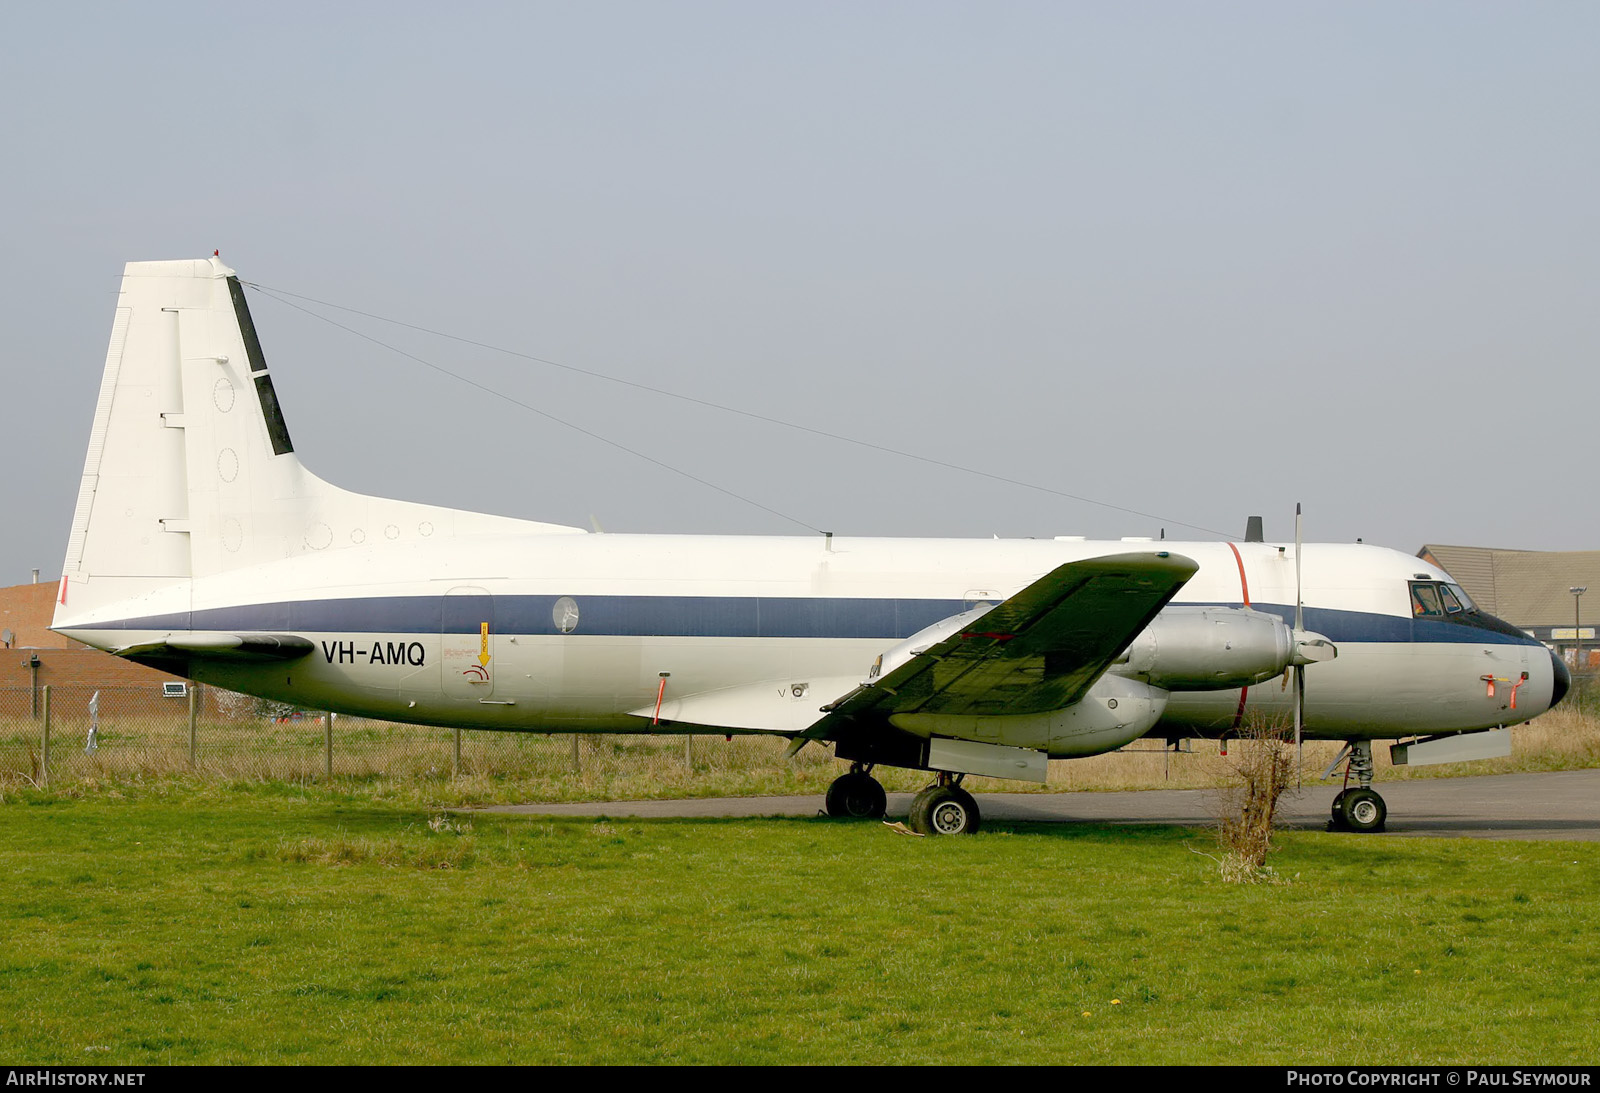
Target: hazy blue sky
1198,260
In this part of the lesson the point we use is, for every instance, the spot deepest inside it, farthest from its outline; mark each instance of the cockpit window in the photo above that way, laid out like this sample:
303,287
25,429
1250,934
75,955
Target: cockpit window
1425,599
1435,598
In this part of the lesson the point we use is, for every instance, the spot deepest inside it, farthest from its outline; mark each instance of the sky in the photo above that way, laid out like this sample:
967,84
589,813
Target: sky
1162,266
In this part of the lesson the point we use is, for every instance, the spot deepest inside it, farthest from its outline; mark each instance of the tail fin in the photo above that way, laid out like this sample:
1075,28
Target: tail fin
190,470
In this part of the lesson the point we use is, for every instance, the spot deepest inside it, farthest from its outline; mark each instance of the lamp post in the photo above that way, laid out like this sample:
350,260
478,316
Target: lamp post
1577,627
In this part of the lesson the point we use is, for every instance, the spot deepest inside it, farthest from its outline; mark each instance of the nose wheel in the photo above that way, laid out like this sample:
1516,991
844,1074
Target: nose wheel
1358,809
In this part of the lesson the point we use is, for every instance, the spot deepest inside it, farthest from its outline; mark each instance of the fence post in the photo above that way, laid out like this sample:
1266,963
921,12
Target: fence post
575,766
194,713
455,757
688,751
327,744
44,742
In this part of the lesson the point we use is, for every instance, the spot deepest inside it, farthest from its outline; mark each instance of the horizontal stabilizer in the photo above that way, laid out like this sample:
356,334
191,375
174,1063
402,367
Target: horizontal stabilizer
231,646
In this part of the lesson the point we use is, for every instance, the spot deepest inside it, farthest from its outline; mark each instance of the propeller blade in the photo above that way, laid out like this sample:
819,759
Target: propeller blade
1299,722
1299,611
1299,669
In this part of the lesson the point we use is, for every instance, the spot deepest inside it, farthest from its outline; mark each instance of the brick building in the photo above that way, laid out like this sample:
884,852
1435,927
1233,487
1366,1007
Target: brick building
35,656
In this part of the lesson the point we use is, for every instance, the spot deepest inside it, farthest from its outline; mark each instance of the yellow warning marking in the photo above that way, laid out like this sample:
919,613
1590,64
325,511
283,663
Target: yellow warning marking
483,649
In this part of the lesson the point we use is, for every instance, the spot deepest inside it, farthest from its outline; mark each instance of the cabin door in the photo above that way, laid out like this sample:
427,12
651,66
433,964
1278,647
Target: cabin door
466,643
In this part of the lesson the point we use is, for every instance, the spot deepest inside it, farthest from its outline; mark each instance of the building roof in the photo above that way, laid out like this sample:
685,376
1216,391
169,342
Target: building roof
1530,588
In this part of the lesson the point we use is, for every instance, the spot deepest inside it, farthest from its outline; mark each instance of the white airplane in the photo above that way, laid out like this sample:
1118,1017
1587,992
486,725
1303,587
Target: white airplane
201,546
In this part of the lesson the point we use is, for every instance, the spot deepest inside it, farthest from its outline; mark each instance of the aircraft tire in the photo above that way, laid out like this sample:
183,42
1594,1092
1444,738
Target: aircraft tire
856,796
1336,822
1362,810
944,810
917,817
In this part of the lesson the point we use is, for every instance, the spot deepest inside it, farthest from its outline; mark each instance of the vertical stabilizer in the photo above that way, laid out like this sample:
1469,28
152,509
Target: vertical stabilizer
127,541
190,470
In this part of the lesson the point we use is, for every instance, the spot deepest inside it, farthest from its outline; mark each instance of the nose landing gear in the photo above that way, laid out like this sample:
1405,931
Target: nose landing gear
1359,809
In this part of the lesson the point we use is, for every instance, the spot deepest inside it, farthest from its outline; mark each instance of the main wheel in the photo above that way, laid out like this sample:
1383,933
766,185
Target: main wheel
917,816
1337,822
1362,810
857,795
944,810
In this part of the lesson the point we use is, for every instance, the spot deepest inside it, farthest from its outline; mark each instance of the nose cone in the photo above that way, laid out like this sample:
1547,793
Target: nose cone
1560,680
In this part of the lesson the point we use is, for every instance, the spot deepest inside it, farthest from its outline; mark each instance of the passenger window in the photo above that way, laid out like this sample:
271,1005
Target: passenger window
1425,599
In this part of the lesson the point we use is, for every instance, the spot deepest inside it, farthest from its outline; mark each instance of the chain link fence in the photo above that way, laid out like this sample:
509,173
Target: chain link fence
71,732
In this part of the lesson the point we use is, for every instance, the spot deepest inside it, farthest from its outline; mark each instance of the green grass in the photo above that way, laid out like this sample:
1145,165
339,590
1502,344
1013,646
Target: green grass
179,922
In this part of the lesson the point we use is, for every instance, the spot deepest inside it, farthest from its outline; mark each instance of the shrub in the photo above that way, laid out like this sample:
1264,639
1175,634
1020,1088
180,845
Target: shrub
1259,770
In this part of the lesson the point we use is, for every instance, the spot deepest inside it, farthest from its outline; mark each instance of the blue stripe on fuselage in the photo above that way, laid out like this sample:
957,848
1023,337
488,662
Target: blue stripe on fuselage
610,616
1367,626
727,617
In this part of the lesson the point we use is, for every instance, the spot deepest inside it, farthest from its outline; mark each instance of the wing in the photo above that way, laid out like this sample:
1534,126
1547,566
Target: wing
1040,650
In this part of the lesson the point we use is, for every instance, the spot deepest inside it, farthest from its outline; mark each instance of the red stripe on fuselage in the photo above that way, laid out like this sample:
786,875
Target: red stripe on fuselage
1244,585
1244,590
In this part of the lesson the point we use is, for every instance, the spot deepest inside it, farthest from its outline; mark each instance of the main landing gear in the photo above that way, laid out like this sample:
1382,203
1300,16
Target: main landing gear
857,795
944,808
1359,809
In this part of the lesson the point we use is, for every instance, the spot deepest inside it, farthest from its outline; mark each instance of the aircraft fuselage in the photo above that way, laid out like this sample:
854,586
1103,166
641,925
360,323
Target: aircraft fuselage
540,633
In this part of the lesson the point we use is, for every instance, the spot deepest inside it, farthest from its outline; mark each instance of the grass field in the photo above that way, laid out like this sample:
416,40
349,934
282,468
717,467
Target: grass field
182,920
158,915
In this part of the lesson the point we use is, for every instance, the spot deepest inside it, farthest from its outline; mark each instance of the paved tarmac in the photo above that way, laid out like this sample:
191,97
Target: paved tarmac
1557,805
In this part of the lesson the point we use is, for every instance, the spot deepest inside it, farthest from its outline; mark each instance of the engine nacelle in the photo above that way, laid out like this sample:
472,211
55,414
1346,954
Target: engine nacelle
919,642
1115,712
1209,649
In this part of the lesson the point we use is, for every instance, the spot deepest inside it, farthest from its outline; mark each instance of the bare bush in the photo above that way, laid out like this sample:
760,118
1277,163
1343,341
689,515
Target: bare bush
1259,771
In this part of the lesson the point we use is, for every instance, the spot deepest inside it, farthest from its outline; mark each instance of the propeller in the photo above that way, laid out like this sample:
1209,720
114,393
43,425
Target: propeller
1309,648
